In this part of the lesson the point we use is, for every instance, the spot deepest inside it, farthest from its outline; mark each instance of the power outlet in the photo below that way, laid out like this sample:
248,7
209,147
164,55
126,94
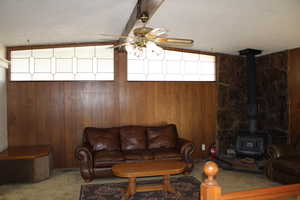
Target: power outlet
203,147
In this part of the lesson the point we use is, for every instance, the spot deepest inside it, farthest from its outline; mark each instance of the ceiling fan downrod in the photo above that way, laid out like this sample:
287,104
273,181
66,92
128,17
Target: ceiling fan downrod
142,15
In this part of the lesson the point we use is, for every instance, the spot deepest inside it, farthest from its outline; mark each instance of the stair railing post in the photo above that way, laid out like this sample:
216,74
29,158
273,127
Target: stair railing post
210,189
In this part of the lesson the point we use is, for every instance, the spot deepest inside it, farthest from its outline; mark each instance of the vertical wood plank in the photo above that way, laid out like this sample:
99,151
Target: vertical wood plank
294,94
57,112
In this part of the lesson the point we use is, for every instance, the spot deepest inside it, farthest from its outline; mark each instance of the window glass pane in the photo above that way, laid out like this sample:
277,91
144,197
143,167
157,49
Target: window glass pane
155,77
85,76
207,78
42,53
191,78
85,65
21,54
155,67
191,56
136,77
63,64
135,66
104,52
42,65
207,68
19,65
105,76
207,58
84,52
64,53
64,77
21,77
173,77
42,76
105,65
190,67
173,55
171,66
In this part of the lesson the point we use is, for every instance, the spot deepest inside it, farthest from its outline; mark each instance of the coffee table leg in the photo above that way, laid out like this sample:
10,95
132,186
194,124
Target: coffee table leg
167,185
131,188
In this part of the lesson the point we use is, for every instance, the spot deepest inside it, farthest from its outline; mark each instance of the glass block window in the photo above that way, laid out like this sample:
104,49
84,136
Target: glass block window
63,64
171,66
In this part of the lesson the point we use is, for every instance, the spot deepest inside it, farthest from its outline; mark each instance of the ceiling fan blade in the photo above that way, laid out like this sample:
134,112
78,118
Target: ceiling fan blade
174,41
114,36
156,32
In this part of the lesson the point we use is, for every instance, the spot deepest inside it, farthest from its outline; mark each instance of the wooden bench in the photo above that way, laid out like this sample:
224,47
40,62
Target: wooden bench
25,164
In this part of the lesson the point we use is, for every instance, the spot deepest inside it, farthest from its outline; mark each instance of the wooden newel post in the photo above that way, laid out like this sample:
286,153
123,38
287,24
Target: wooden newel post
210,189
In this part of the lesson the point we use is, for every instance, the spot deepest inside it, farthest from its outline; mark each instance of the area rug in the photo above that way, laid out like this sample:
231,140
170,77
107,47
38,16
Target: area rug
187,188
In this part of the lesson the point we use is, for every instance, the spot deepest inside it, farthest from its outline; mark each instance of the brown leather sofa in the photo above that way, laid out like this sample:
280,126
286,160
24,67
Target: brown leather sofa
103,147
283,165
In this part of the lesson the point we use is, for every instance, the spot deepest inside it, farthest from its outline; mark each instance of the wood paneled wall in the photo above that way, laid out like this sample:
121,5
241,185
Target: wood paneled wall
294,93
57,112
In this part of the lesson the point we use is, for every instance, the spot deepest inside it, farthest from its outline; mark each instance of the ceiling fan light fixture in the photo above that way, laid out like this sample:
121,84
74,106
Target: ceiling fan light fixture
139,51
135,50
151,46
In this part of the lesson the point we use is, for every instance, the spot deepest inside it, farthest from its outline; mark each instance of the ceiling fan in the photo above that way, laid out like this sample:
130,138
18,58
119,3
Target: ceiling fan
152,38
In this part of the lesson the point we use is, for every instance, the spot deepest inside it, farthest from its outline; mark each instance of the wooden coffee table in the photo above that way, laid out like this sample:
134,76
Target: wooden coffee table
148,168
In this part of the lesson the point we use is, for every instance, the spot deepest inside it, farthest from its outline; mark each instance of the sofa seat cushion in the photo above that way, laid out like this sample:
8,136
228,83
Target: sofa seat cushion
162,137
133,137
107,158
138,155
166,154
288,165
103,139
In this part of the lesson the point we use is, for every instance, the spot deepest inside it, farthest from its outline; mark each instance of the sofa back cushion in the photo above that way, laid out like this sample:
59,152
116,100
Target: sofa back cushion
162,137
100,139
133,137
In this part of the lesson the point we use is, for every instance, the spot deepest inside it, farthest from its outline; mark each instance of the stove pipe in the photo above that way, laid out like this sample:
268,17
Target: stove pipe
251,86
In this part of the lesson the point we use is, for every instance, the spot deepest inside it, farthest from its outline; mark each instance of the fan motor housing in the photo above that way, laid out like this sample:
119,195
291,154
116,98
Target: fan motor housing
141,32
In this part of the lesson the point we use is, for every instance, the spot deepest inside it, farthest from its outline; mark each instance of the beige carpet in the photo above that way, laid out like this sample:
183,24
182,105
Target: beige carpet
65,184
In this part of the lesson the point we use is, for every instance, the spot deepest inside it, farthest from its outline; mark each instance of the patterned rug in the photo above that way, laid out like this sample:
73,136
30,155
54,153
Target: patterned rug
187,188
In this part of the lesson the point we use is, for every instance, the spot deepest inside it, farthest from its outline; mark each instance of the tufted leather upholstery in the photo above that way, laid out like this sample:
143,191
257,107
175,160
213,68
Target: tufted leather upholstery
104,147
102,139
162,137
284,163
133,137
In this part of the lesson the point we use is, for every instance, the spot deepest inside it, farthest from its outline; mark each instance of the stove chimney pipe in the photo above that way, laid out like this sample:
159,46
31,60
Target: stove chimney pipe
251,86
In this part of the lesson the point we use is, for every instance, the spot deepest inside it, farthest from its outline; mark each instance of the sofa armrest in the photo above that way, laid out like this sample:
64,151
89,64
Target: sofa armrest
85,156
281,150
186,148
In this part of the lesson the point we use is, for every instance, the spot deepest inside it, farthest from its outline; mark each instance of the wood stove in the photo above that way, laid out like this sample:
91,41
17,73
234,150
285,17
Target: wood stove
252,145
251,142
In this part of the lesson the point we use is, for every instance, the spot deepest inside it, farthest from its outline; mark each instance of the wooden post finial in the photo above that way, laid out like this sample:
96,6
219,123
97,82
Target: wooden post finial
211,169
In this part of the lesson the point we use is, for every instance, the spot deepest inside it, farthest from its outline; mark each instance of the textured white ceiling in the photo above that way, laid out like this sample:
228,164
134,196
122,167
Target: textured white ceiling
221,26
61,21
230,25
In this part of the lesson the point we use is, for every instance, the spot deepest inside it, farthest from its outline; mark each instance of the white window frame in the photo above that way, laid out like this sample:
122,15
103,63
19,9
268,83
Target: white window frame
182,51
95,59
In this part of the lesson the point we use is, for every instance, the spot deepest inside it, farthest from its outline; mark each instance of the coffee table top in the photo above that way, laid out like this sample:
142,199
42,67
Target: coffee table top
149,168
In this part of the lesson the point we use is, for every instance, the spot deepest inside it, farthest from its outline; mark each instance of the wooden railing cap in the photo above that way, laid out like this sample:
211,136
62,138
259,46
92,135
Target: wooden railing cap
211,169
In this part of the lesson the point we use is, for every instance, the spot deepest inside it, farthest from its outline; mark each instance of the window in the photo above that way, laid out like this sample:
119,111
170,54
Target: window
63,64
171,66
